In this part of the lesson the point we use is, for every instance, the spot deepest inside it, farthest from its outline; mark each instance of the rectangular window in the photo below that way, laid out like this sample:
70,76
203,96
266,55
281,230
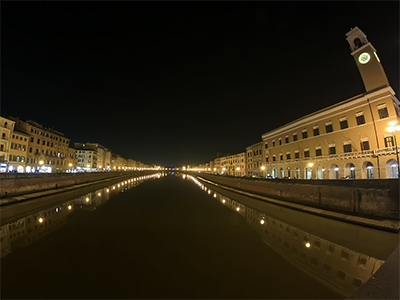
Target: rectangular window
280,142
383,112
266,145
306,153
286,139
344,124
266,159
316,131
44,142
347,148
30,150
12,145
274,158
287,155
389,141
318,152
273,143
360,119
364,145
296,155
280,156
38,141
329,128
305,135
332,150
37,150
32,139
294,137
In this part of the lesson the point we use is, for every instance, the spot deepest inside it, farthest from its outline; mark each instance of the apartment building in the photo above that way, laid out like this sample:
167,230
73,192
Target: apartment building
234,165
47,148
6,129
254,160
19,152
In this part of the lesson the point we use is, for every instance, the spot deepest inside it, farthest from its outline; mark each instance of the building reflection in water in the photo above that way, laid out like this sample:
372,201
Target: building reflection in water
29,229
335,266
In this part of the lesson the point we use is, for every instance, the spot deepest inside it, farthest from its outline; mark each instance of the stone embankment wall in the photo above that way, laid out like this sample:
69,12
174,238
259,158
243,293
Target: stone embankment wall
18,184
373,197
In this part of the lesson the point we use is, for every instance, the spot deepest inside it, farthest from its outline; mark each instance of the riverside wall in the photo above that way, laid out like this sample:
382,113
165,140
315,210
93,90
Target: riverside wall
18,184
370,197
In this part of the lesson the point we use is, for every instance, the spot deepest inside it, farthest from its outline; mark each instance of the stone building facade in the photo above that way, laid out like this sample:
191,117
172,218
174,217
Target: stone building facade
346,140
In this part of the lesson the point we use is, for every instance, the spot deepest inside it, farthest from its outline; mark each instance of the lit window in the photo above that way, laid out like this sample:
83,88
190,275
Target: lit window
389,141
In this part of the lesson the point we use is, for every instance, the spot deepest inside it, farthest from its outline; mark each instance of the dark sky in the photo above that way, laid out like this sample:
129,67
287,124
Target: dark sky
173,83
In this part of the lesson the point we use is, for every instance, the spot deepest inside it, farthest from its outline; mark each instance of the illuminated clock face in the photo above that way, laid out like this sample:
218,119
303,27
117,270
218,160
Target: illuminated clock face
364,58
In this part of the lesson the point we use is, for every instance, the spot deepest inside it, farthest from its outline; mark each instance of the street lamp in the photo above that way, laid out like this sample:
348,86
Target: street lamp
262,168
393,128
41,162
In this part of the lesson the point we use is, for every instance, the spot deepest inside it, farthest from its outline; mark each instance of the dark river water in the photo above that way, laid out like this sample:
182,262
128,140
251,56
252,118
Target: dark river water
175,237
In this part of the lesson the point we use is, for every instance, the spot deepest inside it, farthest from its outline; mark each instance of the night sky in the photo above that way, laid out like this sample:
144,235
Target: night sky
173,83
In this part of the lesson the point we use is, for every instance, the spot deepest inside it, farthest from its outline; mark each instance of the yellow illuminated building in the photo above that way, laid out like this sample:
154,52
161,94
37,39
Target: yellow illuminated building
18,152
6,129
234,165
48,149
347,140
254,160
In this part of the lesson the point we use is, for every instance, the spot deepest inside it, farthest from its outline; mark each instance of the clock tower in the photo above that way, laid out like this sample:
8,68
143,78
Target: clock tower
367,60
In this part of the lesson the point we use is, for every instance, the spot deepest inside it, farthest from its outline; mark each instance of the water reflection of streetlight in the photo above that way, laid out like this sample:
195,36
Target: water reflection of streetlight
393,128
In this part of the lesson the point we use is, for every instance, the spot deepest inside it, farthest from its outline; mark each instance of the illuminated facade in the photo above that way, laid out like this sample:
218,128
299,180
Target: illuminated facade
47,148
18,152
93,155
6,129
346,140
72,161
234,165
254,160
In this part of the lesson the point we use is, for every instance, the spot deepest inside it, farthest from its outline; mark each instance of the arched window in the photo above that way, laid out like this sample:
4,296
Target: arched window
334,172
320,172
297,173
282,173
350,171
392,170
370,170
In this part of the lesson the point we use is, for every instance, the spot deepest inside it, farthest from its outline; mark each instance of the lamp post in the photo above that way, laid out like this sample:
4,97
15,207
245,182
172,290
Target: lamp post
393,128
262,174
